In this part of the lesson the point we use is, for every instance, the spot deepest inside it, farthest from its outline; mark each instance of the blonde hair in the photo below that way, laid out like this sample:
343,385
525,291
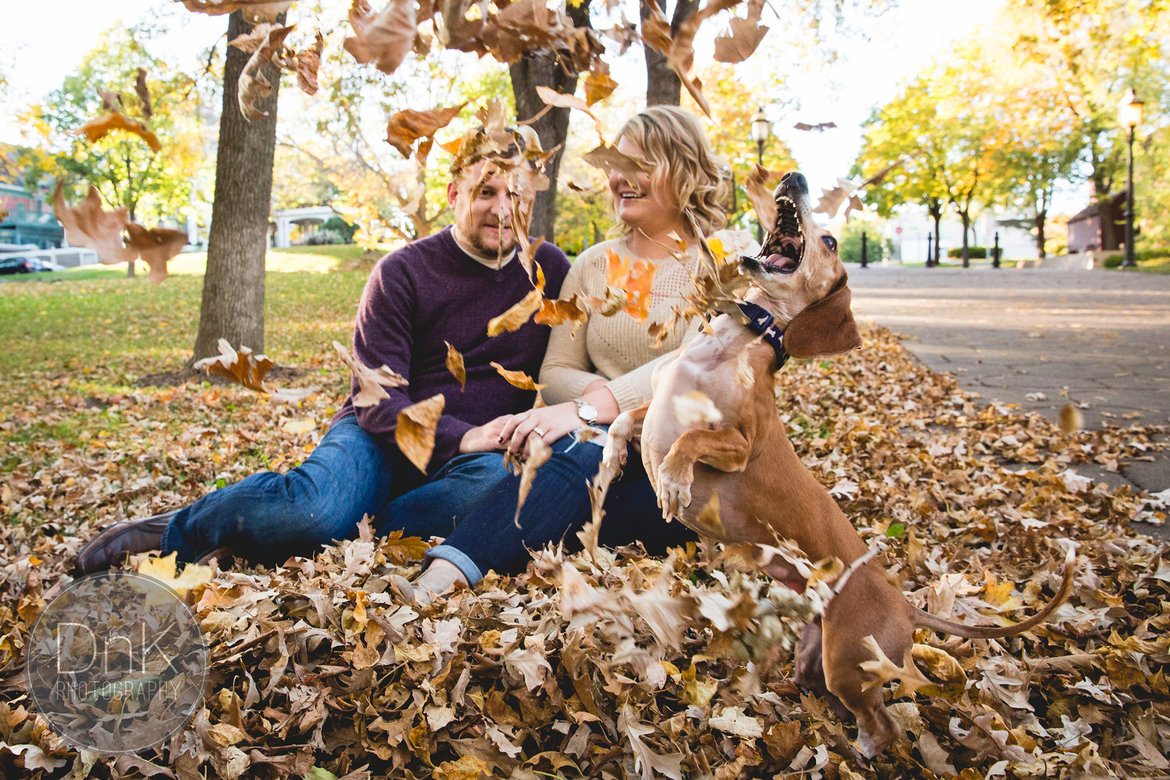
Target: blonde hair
476,144
682,164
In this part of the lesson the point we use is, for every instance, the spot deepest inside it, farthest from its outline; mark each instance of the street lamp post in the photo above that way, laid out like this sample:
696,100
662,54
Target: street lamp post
1129,115
761,129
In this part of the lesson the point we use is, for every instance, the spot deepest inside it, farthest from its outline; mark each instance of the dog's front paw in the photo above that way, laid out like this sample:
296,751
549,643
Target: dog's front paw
674,493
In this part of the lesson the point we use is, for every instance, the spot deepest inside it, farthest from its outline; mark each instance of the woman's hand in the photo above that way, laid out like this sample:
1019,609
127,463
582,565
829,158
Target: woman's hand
548,422
486,437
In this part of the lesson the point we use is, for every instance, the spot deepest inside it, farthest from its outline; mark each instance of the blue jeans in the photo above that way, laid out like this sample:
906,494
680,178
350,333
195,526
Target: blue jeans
267,517
557,506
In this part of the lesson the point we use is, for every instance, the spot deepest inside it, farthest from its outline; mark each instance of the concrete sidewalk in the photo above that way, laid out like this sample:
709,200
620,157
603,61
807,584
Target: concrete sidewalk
1031,336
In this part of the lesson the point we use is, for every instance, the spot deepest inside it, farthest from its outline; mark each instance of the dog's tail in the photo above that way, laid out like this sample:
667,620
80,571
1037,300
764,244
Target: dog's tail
927,620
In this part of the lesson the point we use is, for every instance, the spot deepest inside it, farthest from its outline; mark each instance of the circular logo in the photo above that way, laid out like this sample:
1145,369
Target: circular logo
116,663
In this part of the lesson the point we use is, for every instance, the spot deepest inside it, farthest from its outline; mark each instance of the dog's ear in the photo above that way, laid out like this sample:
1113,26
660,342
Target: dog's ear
825,328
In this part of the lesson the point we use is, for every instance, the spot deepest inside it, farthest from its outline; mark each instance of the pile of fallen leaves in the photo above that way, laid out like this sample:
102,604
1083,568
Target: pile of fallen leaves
615,664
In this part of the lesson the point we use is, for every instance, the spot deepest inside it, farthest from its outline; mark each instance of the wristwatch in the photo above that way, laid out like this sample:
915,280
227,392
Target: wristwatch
586,411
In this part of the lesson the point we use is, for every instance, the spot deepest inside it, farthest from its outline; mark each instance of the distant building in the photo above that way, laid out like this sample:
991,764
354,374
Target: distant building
1084,227
30,219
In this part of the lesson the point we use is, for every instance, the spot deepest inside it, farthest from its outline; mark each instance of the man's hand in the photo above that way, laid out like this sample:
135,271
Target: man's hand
486,437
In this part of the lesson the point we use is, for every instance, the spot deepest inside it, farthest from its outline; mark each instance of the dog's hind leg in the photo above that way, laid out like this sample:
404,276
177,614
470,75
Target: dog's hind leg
808,669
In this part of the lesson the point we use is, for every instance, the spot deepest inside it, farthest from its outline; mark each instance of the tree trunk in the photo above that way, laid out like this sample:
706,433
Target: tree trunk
1041,218
233,287
966,217
528,73
935,208
663,87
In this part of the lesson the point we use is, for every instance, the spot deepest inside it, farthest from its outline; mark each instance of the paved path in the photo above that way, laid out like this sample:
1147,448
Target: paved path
1024,336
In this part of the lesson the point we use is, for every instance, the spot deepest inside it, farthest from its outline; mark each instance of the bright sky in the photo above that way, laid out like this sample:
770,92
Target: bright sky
37,55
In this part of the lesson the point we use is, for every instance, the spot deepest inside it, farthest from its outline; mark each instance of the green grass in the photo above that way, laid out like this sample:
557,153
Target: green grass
297,259
134,327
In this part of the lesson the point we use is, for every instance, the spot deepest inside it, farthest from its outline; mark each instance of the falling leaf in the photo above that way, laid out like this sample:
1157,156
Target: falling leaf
96,129
598,86
609,159
383,38
556,311
89,226
143,93
254,86
415,432
553,98
696,408
515,317
299,425
536,454
709,520
156,246
455,365
241,367
817,128
743,41
1071,419
307,63
407,126
631,280
517,378
759,191
370,381
251,9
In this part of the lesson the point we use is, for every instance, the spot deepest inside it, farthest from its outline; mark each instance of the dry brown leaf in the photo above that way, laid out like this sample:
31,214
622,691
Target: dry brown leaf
517,378
156,246
598,86
253,10
241,367
759,191
407,126
743,41
515,317
415,432
253,85
143,93
553,98
817,128
96,129
608,159
455,365
308,62
383,38
536,454
370,381
88,225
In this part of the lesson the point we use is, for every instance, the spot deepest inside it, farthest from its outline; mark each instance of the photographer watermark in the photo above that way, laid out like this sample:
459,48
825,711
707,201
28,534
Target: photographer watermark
116,663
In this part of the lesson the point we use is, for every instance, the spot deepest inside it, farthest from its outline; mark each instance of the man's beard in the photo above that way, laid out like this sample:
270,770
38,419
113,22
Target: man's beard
505,246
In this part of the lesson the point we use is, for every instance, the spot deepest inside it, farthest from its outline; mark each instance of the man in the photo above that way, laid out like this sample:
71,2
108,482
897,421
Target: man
443,288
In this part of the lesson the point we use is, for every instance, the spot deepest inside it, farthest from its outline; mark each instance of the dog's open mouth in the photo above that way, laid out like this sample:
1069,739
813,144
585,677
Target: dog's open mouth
784,248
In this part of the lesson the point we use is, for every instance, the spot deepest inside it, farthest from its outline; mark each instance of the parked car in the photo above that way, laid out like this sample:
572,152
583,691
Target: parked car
39,264
16,265
27,265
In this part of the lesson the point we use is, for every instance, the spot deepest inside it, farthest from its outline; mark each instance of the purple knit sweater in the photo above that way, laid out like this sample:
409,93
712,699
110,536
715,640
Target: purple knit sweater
429,292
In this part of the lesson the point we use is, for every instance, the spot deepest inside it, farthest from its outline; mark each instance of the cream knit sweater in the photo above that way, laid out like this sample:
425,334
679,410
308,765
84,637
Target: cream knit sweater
617,348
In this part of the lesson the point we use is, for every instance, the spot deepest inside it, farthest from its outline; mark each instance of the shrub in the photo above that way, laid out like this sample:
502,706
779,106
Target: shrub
342,228
973,252
1114,260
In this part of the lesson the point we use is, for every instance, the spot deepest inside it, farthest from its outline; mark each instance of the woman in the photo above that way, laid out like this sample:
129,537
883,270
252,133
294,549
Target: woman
598,372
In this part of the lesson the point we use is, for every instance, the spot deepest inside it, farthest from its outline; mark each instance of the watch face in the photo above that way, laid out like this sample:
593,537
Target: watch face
586,411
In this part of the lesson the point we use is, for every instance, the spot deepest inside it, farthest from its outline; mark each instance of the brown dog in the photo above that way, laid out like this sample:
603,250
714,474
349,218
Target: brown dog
732,474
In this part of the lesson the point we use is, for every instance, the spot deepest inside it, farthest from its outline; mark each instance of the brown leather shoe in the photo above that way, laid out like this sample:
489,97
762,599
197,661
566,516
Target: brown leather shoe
221,555
121,539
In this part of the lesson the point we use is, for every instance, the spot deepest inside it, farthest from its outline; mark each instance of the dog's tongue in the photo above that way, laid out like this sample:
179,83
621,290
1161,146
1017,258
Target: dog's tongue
784,265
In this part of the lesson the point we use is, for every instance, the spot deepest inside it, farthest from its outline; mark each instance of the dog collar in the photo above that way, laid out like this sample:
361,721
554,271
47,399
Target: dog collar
759,320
